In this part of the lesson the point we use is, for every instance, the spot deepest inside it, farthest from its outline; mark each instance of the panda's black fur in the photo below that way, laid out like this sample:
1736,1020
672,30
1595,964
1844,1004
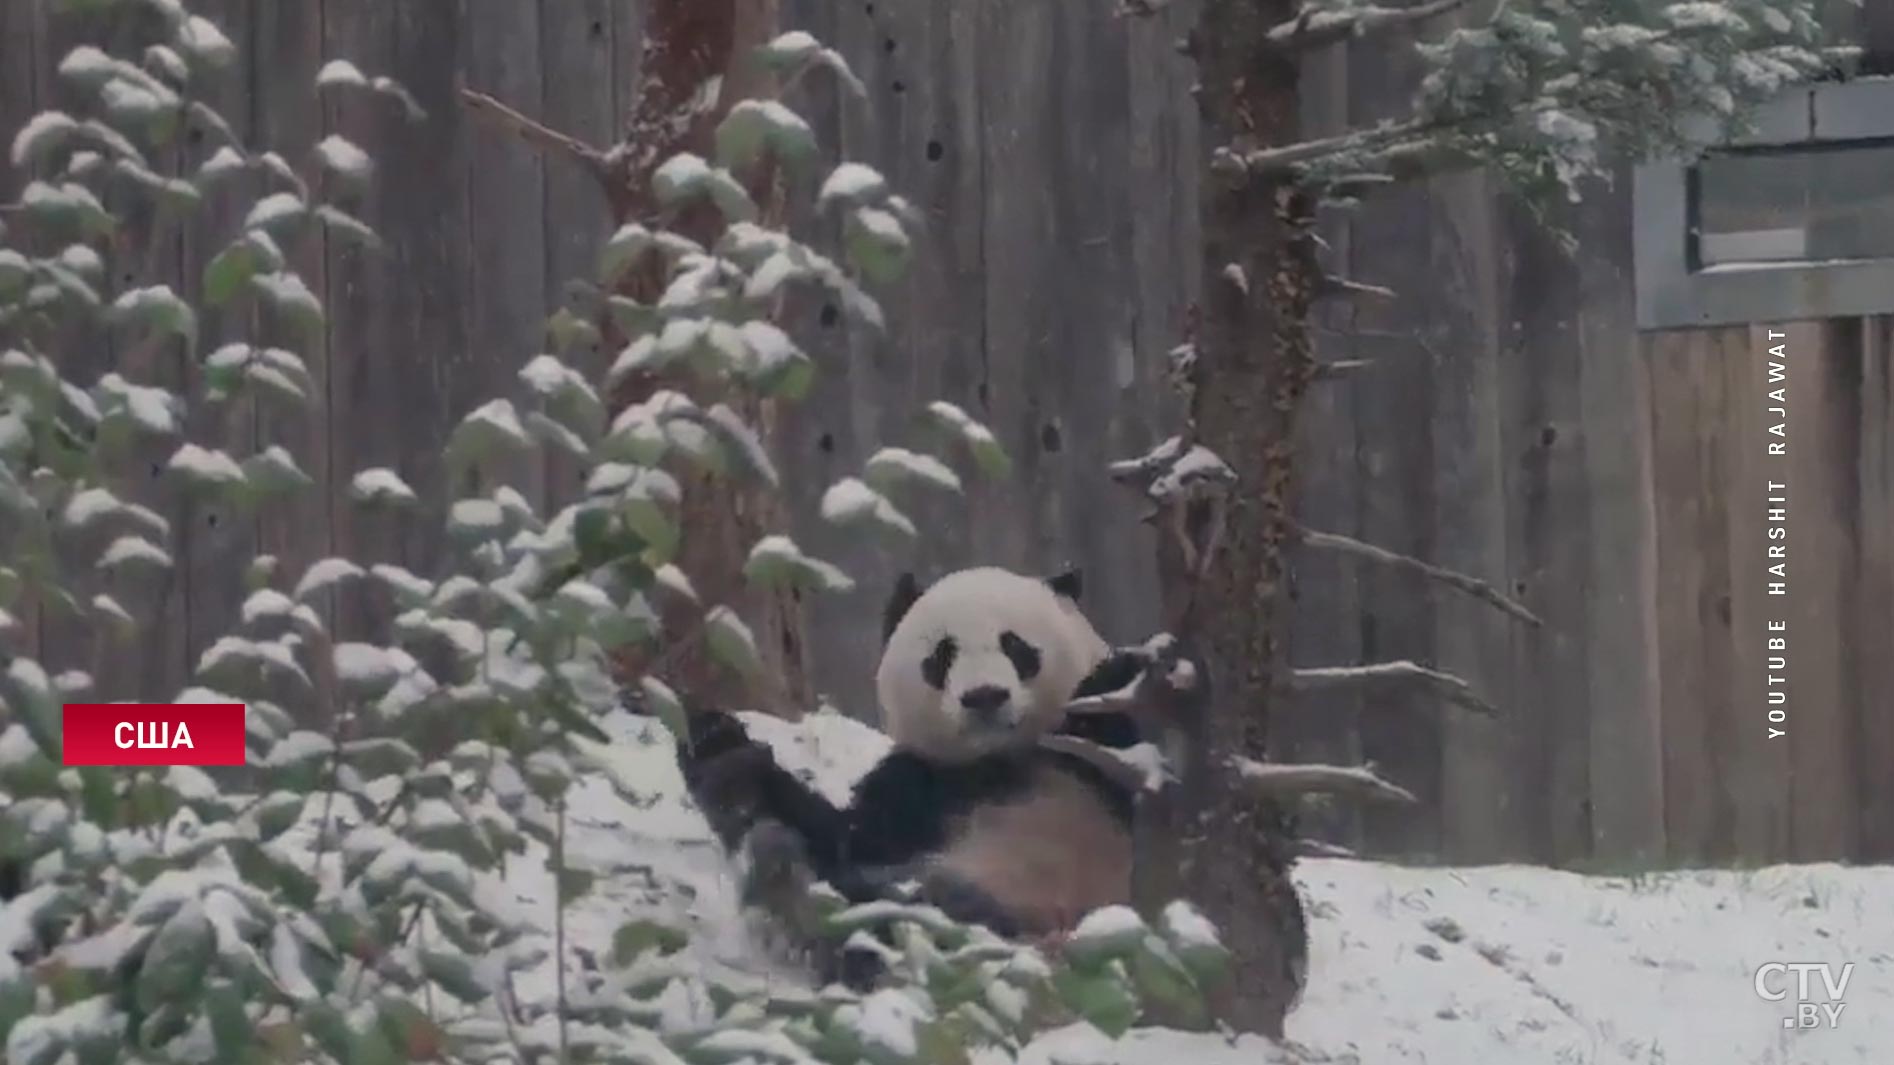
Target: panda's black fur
903,811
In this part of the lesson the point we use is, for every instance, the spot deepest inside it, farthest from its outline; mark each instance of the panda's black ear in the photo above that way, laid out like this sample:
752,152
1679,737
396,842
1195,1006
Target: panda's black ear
1068,585
906,591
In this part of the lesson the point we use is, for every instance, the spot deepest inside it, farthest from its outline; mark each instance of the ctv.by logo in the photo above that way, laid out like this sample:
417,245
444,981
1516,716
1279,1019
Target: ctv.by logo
1808,1013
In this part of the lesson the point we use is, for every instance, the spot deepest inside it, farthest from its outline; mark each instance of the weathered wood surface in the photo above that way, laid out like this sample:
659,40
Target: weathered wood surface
1511,425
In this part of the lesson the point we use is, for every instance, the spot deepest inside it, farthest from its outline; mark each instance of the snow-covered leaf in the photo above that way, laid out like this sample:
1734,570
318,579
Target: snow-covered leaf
978,438
157,309
380,485
324,574
42,135
731,642
289,297
851,502
230,270
777,560
205,469
345,159
134,553
492,429
755,126
893,466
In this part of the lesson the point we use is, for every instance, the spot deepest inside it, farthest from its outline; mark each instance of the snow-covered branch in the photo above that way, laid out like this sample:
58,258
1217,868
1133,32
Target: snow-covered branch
1473,586
1277,780
1445,685
1314,28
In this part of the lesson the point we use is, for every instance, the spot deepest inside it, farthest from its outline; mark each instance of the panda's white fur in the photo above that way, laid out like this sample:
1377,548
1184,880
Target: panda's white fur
974,608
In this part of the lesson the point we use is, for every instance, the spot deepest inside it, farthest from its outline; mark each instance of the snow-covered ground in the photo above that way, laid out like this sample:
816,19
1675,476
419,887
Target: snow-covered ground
1469,966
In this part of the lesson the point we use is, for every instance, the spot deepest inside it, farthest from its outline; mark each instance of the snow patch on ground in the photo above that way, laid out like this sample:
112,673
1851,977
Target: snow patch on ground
1464,966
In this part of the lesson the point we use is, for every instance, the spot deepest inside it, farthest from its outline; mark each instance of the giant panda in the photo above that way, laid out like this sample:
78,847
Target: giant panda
967,812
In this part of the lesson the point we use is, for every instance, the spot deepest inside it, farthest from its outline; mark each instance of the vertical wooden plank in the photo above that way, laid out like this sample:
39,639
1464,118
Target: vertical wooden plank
1544,445
506,257
581,45
920,127
221,538
1752,773
1819,823
1324,726
1484,786
1626,752
288,43
439,379
1392,244
1871,602
1017,54
364,361
1687,405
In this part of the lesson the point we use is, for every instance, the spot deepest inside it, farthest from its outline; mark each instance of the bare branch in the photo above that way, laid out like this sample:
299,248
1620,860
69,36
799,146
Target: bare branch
1325,371
1472,586
1311,29
1140,8
1316,848
1445,685
1333,285
546,140
1276,780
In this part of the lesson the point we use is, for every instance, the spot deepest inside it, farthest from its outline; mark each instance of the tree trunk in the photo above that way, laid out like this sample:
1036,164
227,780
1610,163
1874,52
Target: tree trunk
1231,853
691,46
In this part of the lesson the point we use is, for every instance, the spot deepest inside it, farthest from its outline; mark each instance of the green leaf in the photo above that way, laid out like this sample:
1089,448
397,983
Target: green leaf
454,973
623,248
347,226
777,561
251,254
850,502
286,294
877,244
731,641
179,955
273,471
157,309
636,938
659,699
986,448
42,135
1104,997
493,429
893,466
755,126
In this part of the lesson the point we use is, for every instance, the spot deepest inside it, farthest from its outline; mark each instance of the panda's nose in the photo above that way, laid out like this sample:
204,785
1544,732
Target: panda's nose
985,699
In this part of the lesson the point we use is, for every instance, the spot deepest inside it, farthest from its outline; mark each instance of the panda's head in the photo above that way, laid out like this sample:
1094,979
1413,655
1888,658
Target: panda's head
983,660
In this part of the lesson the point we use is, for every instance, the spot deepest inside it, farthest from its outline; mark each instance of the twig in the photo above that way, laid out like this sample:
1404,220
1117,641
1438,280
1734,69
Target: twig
1357,781
1316,848
1333,285
1326,371
1446,685
1315,30
535,134
1472,586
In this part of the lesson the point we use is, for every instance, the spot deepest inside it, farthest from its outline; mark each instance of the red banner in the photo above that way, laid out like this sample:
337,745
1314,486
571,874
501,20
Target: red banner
154,734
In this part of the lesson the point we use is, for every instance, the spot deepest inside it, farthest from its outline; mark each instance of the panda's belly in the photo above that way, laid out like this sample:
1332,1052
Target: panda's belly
1048,858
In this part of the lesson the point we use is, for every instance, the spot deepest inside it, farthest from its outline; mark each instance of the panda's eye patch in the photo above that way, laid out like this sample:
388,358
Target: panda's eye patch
1024,656
934,668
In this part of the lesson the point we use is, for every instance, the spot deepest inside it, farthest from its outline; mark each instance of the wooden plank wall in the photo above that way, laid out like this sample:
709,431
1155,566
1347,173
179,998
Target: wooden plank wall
1511,424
